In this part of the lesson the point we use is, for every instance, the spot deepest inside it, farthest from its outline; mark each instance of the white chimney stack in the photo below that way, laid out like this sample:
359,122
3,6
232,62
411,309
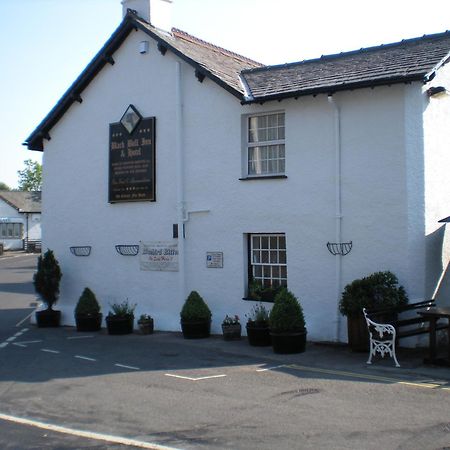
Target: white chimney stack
156,12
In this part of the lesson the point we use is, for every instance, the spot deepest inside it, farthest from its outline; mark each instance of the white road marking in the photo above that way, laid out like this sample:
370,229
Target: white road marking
127,367
79,337
25,318
49,350
85,434
3,344
194,378
84,357
25,343
12,338
270,368
19,344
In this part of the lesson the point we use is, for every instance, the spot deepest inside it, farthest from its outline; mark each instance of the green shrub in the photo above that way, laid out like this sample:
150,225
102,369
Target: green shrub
195,308
287,313
46,279
87,304
258,315
377,291
123,309
256,291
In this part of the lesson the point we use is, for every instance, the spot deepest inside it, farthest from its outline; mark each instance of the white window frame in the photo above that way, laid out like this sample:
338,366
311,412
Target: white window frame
271,269
7,230
265,144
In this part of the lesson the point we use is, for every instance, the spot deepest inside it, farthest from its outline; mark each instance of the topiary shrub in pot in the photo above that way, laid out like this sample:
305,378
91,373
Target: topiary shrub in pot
120,319
46,283
87,312
377,291
195,317
287,324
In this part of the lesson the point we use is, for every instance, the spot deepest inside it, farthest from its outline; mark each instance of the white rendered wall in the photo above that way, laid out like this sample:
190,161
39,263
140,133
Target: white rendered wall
374,200
437,188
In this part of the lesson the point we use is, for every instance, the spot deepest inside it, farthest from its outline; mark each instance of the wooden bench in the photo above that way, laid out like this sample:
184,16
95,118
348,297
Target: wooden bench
409,326
386,328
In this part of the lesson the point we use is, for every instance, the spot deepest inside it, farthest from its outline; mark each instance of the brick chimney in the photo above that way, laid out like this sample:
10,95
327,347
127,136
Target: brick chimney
156,12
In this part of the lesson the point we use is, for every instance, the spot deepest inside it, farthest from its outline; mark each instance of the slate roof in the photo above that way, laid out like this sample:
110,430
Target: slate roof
23,201
250,82
409,60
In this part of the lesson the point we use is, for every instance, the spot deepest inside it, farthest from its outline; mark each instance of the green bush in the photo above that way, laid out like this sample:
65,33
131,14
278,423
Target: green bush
287,313
87,304
377,291
258,315
195,308
123,309
46,279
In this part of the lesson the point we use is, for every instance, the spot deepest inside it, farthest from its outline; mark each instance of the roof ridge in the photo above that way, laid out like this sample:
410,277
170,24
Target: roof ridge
176,32
348,53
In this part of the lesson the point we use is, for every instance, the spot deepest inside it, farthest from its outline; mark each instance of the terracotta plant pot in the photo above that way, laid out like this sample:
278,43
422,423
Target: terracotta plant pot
288,342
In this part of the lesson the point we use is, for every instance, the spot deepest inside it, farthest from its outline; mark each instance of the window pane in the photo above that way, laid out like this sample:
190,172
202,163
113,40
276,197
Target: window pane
273,242
282,242
282,257
273,257
265,242
256,256
257,272
265,257
276,271
256,240
266,271
283,271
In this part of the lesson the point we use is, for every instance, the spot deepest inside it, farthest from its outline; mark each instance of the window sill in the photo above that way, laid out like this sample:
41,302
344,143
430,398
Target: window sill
248,299
263,177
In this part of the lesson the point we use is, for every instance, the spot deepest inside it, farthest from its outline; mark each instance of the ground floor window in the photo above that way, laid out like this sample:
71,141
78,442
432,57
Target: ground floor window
267,259
11,230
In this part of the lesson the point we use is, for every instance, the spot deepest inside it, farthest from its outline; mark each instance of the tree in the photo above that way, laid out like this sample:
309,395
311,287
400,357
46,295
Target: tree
4,186
30,178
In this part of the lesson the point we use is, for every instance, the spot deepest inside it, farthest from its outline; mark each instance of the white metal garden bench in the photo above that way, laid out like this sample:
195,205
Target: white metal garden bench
382,339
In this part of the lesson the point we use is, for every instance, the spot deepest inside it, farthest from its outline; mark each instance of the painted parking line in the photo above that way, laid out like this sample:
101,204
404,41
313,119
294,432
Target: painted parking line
85,434
79,337
127,367
13,338
86,358
18,324
366,377
48,350
265,369
26,343
194,378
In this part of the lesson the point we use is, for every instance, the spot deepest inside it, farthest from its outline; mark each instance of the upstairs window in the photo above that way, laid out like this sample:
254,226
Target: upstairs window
265,145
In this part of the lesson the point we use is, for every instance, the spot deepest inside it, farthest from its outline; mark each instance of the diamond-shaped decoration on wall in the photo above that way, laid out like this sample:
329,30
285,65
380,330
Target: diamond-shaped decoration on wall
130,119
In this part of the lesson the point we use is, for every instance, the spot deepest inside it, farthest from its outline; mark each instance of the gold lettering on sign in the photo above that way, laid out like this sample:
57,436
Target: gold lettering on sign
133,143
117,145
146,141
136,152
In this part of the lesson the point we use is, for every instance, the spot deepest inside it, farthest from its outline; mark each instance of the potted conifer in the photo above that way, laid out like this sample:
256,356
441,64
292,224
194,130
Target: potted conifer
195,317
46,283
87,312
287,324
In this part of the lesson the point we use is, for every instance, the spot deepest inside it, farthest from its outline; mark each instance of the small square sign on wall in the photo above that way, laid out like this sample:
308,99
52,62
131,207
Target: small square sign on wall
214,260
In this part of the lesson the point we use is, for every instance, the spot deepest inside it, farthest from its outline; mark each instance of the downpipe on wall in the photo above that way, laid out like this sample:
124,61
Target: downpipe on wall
181,203
338,208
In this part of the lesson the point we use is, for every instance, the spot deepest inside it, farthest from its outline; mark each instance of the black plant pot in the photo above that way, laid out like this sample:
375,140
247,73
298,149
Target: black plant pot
88,322
48,318
288,342
196,329
119,324
258,335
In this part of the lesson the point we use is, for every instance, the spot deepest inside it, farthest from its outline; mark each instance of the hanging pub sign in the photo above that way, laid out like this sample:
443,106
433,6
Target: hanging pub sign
132,158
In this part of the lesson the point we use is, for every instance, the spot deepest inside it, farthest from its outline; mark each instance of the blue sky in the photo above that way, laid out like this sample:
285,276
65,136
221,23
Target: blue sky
45,44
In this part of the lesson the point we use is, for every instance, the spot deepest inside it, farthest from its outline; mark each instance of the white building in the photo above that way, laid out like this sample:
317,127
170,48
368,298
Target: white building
349,148
20,219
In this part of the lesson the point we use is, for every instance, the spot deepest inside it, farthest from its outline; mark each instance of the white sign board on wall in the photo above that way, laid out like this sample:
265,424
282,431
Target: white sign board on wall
159,256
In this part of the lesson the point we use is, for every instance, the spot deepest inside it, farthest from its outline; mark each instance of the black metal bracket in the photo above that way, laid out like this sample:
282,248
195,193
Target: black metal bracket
199,75
162,48
127,250
84,250
339,248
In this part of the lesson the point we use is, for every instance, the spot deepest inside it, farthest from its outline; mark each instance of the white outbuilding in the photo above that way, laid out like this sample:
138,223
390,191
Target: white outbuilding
173,165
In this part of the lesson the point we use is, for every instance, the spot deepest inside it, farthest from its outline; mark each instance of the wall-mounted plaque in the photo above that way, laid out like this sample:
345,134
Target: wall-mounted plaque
161,256
132,158
214,260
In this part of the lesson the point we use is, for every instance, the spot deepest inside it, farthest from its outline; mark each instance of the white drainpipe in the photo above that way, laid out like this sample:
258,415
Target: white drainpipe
338,207
181,205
